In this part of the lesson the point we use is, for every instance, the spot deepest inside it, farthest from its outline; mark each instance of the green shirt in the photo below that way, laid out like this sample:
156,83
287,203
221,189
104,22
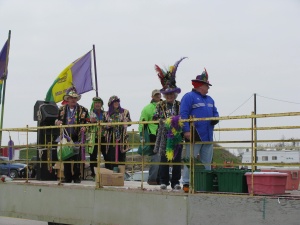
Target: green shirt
147,115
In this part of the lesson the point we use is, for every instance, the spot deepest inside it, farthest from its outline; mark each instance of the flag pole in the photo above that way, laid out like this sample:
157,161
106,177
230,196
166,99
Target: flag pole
4,86
95,68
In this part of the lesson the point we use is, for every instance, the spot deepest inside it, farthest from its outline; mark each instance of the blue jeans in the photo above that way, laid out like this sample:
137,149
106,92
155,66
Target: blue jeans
153,170
206,153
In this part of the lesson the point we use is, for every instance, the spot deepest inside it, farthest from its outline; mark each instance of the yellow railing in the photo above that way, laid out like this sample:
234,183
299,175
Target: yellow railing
249,139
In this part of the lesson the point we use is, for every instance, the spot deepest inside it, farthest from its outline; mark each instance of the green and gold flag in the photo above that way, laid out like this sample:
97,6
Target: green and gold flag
78,74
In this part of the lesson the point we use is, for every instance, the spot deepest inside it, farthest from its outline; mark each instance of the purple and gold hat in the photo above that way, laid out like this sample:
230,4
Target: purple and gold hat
168,78
203,78
112,99
98,99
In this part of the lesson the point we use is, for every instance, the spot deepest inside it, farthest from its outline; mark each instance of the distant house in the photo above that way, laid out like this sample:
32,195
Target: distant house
269,157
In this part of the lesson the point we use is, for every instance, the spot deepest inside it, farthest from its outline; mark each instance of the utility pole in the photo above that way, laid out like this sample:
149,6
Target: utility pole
255,134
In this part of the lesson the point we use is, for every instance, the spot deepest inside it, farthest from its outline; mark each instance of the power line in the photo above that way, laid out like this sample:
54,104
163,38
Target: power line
274,99
278,100
241,105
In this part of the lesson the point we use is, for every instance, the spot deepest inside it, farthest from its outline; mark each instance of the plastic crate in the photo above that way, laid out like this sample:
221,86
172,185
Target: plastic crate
232,180
205,180
293,178
267,183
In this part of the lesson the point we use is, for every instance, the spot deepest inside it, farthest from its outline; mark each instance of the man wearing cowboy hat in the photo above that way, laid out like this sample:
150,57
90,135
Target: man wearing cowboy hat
69,114
199,105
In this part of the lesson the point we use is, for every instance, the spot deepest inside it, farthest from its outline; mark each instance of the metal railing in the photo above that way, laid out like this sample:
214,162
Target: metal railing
247,137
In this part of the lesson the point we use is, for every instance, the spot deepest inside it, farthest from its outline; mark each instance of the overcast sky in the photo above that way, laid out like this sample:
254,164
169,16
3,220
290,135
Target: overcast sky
247,47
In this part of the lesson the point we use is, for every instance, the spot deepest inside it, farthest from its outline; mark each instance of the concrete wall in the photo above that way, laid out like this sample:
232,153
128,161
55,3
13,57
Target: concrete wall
85,205
243,210
78,204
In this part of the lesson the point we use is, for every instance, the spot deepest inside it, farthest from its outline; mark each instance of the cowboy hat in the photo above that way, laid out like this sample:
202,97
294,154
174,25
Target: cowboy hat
72,94
203,78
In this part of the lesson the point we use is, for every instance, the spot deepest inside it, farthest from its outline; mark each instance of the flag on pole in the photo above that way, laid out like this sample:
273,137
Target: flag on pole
3,67
3,60
1,84
78,74
3,75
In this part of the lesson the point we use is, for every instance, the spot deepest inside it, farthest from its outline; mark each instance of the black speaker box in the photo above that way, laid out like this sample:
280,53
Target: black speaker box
45,112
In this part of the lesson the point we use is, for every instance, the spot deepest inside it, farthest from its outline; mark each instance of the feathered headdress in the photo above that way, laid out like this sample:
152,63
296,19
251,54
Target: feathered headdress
168,78
203,78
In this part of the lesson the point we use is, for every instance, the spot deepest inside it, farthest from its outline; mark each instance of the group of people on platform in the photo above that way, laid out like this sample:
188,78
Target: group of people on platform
167,135
116,137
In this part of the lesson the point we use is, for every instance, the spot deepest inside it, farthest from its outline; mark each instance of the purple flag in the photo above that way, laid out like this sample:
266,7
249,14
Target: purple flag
3,58
82,74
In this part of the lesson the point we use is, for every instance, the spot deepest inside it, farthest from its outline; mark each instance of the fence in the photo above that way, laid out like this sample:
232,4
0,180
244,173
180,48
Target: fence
249,137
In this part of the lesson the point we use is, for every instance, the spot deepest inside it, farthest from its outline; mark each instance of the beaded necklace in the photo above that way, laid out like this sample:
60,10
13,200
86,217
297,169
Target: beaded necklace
169,111
116,117
71,115
71,118
99,115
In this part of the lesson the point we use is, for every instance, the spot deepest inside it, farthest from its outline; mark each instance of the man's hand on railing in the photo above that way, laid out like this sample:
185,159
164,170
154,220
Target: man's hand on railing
187,135
214,122
93,120
58,122
125,125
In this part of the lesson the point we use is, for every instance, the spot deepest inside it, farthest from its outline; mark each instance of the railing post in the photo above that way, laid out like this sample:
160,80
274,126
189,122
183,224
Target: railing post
252,152
192,163
132,165
27,172
60,153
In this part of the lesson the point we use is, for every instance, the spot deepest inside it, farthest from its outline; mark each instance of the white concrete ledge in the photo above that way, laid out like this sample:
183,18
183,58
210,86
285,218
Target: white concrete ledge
84,204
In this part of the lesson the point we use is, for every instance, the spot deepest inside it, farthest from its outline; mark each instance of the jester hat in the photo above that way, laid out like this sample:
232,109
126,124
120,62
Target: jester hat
168,78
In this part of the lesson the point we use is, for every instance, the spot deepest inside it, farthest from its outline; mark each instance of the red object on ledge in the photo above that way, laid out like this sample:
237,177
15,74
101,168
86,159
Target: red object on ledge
293,178
266,183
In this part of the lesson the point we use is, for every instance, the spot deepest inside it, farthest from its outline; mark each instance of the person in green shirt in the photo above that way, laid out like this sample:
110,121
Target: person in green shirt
147,115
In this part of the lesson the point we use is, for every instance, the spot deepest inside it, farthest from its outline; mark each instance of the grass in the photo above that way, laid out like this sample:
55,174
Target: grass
31,152
219,158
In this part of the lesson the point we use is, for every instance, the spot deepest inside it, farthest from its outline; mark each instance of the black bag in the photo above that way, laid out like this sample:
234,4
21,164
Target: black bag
146,149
